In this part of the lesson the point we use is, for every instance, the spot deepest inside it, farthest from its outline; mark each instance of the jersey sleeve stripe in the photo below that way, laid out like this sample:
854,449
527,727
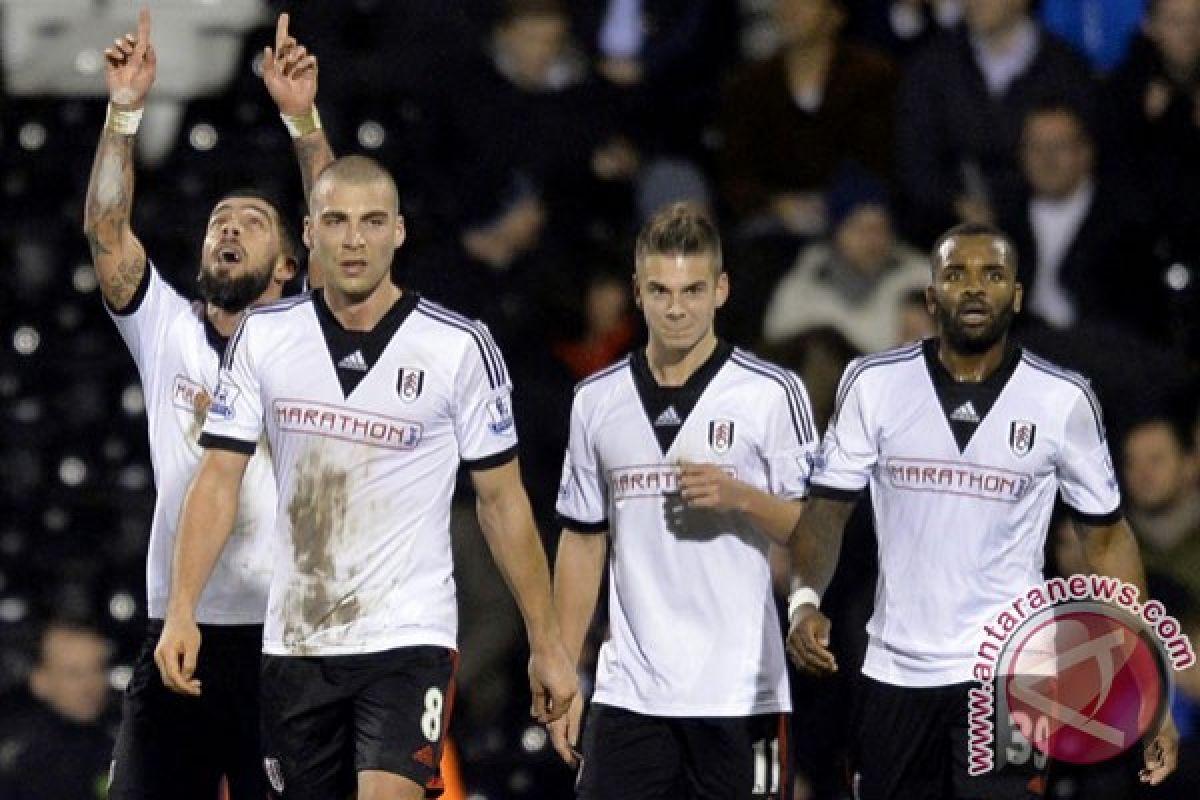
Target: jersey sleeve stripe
1096,520
492,362
867,362
603,373
495,349
1073,378
139,294
491,462
211,441
284,304
834,493
799,424
579,526
792,385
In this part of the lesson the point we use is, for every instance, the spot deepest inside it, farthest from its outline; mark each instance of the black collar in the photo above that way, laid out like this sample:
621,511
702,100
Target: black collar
668,407
967,404
355,353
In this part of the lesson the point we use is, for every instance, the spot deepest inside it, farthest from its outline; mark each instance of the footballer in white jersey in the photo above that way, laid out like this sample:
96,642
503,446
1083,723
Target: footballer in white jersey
370,398
367,431
168,746
691,456
964,441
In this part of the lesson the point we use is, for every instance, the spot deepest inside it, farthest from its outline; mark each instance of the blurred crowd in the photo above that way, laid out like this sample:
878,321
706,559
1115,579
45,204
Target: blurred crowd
833,139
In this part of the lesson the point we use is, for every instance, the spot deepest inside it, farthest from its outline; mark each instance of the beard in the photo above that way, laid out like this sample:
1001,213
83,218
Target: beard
969,342
232,294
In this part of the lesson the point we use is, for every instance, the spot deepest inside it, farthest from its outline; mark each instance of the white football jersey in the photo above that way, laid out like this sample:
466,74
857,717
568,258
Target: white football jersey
693,625
963,479
367,430
178,354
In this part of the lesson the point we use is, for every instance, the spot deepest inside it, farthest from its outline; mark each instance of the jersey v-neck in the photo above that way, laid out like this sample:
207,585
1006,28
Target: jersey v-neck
668,407
966,404
355,353
216,340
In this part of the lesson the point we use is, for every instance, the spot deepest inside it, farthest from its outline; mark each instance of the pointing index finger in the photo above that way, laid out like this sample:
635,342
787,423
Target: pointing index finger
143,32
281,32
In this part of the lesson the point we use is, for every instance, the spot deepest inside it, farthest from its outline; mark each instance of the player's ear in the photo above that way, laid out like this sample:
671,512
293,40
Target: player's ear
722,289
637,290
401,231
285,268
931,301
306,234
1018,296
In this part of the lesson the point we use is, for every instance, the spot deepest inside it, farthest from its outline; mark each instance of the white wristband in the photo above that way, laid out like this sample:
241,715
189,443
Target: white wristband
800,597
299,125
122,121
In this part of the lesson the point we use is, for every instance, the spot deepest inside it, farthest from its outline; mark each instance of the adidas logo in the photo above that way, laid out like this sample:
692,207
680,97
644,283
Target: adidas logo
965,413
668,418
354,361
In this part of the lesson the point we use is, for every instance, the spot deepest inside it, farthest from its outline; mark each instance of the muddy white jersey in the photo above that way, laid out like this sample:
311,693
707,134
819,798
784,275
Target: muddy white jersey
963,479
367,431
693,624
178,354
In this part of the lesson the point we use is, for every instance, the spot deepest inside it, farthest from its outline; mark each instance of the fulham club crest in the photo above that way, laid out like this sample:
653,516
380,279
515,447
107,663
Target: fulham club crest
1021,435
409,383
720,435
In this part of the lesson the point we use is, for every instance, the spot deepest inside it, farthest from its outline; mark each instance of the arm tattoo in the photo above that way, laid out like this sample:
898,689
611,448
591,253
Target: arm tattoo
817,541
106,219
314,154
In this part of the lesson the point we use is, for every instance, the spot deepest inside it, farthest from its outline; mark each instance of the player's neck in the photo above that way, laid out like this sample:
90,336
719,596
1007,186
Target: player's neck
364,314
672,367
225,322
972,367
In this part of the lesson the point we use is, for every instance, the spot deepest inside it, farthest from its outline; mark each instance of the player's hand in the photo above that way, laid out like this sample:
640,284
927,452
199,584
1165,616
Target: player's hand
1161,754
553,683
129,66
290,72
564,732
178,647
709,486
808,641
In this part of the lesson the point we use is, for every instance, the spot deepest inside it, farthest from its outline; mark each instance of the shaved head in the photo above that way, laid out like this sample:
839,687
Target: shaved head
356,171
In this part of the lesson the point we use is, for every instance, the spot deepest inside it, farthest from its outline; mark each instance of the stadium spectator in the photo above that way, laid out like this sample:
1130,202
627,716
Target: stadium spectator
830,100
1100,29
58,747
963,99
532,149
854,281
666,58
788,125
1152,113
1084,245
1159,469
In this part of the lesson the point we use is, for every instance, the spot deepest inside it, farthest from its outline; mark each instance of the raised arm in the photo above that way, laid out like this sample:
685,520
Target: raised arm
290,74
205,524
118,256
508,526
815,546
